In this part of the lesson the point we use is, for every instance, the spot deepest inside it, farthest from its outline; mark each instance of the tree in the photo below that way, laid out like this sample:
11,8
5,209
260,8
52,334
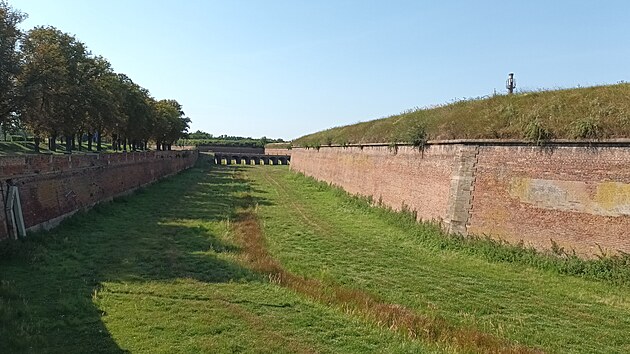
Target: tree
51,83
103,95
199,135
170,124
137,115
9,63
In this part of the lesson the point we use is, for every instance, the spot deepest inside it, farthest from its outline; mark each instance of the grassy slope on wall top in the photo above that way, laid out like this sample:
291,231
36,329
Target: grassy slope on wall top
600,112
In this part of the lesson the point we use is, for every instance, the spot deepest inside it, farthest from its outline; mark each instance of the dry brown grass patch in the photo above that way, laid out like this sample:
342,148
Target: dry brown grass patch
430,329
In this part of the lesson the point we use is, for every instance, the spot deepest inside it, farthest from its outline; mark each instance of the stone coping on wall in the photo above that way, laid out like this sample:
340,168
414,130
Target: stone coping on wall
622,142
38,164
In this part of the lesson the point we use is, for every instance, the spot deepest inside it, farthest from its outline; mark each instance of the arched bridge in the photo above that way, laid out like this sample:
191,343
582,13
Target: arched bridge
250,159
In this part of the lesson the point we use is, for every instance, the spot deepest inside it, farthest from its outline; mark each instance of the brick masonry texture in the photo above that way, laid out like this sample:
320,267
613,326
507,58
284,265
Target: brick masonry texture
577,196
54,186
274,151
420,180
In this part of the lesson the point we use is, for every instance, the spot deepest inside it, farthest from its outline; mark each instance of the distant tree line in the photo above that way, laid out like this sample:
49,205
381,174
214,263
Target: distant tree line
54,87
202,138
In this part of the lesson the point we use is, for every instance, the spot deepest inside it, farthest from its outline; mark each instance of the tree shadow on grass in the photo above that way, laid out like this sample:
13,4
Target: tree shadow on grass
165,232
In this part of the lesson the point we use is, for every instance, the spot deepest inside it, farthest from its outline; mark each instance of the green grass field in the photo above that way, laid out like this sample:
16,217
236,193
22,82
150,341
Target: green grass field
262,260
600,112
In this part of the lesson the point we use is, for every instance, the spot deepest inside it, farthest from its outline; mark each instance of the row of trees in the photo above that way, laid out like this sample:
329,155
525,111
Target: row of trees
52,86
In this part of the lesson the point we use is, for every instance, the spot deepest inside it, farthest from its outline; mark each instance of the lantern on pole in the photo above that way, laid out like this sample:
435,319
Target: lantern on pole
510,84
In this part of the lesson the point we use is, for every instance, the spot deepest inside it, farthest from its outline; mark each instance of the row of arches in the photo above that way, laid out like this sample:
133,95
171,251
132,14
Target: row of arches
251,160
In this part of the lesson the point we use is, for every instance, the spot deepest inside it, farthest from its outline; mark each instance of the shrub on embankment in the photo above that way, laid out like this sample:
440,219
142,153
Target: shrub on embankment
600,112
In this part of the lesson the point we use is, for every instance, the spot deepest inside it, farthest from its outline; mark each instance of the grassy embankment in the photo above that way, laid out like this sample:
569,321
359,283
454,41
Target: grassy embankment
258,259
601,112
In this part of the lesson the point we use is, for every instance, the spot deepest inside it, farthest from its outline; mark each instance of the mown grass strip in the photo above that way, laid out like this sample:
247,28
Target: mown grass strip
433,330
160,272
317,232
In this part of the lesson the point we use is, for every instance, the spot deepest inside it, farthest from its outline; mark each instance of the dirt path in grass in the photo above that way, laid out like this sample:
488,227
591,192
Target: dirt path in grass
298,207
394,317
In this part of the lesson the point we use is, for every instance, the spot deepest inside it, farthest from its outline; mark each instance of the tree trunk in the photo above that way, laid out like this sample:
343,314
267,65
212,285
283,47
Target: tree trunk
36,141
98,142
69,144
90,136
53,143
74,145
124,144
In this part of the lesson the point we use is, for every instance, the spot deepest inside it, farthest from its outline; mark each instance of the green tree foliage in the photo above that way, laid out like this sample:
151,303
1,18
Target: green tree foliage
199,135
170,122
103,97
53,86
9,62
51,82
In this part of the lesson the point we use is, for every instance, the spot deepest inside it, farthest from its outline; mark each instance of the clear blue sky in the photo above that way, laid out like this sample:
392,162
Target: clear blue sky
287,68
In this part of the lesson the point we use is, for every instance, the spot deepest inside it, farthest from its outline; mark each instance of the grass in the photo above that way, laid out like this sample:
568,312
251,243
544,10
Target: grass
261,260
316,232
161,272
600,112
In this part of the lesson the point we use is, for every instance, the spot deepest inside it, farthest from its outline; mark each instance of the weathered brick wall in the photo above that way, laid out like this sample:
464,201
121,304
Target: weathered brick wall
278,151
52,187
418,179
577,196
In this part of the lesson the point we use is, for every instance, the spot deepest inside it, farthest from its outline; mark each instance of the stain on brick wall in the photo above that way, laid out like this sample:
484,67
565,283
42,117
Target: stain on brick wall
577,196
53,187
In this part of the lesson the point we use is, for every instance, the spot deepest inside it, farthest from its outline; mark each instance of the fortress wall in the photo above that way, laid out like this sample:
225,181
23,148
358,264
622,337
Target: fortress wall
52,187
277,151
577,196
420,180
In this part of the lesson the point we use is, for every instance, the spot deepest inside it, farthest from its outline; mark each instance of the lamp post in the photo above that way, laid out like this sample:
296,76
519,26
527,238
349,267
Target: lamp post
510,84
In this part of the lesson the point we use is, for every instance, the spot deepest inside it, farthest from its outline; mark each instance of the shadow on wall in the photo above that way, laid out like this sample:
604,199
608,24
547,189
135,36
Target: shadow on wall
49,280
71,183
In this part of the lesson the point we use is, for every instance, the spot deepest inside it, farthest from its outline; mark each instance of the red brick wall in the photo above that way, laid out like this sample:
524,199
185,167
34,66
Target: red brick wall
276,151
419,180
51,187
577,196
